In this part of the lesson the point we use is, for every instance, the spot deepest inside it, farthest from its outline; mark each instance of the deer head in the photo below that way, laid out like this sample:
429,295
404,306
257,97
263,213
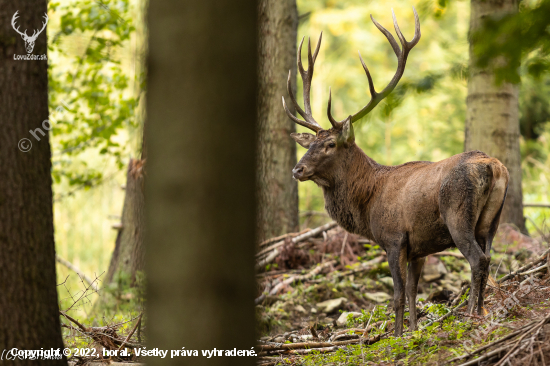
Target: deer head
329,147
29,40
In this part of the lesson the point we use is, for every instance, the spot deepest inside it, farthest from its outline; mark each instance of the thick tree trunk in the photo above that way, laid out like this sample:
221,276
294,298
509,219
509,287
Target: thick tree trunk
276,151
492,118
29,312
199,188
128,256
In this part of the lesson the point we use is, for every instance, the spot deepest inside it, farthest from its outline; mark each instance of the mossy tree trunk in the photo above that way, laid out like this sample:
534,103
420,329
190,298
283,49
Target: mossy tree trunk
492,115
29,311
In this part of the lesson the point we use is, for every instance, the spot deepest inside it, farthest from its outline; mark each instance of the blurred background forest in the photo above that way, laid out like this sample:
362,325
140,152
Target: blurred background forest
97,52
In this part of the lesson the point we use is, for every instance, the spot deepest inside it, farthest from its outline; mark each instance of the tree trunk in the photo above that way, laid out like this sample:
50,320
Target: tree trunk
29,312
276,151
128,256
199,189
492,118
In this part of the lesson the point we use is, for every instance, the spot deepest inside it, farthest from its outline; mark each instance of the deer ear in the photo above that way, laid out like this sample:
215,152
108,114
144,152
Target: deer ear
304,139
347,131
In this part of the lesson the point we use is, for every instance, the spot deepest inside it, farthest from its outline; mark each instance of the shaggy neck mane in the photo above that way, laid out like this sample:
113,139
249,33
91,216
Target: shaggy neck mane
348,200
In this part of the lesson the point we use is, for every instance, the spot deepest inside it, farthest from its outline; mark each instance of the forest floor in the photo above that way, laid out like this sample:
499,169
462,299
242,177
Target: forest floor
325,298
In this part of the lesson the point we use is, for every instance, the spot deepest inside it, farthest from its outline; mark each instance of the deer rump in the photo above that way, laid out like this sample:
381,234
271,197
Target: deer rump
437,206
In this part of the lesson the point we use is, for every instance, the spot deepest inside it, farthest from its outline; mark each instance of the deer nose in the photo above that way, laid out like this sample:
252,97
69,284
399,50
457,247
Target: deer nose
299,172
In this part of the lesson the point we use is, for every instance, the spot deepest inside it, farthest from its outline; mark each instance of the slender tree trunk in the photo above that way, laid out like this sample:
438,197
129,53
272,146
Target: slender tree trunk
276,152
492,118
29,312
199,189
128,256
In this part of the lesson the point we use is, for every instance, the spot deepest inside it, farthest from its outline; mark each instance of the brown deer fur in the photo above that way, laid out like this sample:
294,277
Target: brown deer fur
411,210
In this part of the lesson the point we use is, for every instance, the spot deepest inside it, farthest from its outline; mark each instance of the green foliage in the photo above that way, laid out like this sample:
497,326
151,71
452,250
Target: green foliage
377,314
416,347
516,37
90,93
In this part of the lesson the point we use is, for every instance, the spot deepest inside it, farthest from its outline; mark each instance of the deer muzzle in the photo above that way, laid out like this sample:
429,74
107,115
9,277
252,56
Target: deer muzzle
301,172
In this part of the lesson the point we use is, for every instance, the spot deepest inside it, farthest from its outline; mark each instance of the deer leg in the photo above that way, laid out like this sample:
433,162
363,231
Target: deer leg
397,259
479,264
483,282
487,241
413,275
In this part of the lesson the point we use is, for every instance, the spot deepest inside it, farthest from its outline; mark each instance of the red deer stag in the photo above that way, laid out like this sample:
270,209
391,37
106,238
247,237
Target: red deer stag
411,210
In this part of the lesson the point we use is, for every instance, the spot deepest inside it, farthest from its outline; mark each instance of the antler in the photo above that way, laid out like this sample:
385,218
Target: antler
35,35
306,80
13,19
401,62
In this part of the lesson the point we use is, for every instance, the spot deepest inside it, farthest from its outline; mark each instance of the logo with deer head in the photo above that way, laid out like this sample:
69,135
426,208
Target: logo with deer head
29,40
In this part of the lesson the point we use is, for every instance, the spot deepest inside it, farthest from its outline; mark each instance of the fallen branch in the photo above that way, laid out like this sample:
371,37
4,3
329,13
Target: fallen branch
537,326
365,266
547,205
314,232
94,332
304,351
494,343
484,357
282,237
262,297
306,345
74,268
309,275
358,330
544,266
508,348
295,240
541,258
71,319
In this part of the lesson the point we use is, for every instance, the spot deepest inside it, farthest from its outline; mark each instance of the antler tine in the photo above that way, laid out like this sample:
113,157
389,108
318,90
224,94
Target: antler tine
389,36
307,76
293,98
299,121
401,63
416,37
407,46
333,122
299,57
318,47
371,84
398,31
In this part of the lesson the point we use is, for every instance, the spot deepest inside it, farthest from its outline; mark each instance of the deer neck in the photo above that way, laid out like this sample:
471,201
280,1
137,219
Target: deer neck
348,200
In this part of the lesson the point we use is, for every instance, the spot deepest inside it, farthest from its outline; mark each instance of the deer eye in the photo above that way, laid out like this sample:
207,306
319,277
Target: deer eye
332,144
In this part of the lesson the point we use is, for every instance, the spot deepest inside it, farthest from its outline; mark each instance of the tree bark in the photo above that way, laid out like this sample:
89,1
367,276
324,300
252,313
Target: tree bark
199,189
276,151
29,312
128,256
492,117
